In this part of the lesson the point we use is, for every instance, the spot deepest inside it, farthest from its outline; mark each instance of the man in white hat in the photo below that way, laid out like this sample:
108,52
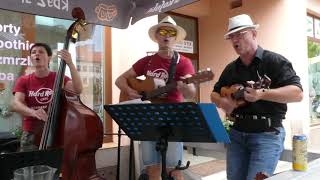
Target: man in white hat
257,134
166,33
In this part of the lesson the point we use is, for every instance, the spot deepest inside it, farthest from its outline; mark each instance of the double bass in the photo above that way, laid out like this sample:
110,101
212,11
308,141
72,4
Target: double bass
71,125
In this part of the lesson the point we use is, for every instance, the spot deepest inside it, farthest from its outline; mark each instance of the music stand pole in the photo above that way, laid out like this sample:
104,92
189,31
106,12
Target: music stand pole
118,155
131,158
162,146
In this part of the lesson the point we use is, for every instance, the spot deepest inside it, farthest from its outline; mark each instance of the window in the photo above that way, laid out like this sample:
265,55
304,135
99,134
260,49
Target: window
88,51
313,34
90,68
97,69
317,28
313,27
84,68
310,26
85,81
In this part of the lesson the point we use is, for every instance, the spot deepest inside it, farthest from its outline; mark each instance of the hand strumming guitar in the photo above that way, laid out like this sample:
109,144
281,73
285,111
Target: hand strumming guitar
186,89
132,94
228,104
229,98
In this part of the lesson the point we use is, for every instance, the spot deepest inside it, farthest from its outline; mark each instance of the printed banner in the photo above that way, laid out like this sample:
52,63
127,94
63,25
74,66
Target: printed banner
114,13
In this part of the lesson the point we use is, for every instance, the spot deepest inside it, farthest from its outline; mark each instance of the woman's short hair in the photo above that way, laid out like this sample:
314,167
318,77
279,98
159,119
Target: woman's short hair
44,45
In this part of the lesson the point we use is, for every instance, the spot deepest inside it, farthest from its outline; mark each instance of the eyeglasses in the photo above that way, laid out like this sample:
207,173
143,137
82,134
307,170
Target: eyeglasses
236,35
164,32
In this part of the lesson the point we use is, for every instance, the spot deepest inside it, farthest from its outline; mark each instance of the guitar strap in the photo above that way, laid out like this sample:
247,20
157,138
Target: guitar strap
172,68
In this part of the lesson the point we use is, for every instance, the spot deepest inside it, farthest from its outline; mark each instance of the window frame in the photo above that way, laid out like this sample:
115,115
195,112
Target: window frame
107,122
314,16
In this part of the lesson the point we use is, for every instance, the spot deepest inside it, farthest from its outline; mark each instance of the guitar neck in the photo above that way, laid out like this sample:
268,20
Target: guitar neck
143,86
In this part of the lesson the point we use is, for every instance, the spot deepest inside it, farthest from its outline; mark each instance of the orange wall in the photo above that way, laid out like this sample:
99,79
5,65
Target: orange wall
197,9
282,29
314,5
277,32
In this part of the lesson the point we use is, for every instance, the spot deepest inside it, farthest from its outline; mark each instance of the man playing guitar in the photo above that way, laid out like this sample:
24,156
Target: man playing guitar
161,65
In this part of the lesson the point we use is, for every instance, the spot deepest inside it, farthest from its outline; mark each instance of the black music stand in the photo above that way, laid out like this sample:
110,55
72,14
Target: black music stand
12,161
179,122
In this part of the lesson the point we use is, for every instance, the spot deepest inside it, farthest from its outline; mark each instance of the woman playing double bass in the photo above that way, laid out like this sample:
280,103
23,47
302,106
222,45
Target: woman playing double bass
33,93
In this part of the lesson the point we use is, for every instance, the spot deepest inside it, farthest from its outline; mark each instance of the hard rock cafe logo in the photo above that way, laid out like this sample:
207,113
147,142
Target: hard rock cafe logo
106,12
158,73
42,96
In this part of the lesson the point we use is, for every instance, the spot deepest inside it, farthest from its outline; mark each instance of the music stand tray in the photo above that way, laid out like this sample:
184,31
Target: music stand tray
183,122
12,161
179,122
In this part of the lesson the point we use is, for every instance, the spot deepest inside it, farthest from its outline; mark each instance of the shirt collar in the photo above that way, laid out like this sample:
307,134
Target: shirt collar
258,56
259,52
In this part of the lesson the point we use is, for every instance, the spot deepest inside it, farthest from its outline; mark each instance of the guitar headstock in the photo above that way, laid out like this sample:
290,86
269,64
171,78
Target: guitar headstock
200,76
266,82
262,83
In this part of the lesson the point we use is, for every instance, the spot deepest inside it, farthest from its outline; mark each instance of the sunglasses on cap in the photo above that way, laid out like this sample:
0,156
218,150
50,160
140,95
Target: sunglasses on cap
164,32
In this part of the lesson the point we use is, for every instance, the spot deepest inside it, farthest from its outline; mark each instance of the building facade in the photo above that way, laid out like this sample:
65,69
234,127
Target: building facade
103,53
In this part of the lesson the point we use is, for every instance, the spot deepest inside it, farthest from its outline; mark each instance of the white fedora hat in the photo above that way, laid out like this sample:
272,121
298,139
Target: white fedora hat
238,23
168,22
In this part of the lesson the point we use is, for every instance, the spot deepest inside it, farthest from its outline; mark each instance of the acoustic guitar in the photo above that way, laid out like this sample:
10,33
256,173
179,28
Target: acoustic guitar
150,91
236,91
